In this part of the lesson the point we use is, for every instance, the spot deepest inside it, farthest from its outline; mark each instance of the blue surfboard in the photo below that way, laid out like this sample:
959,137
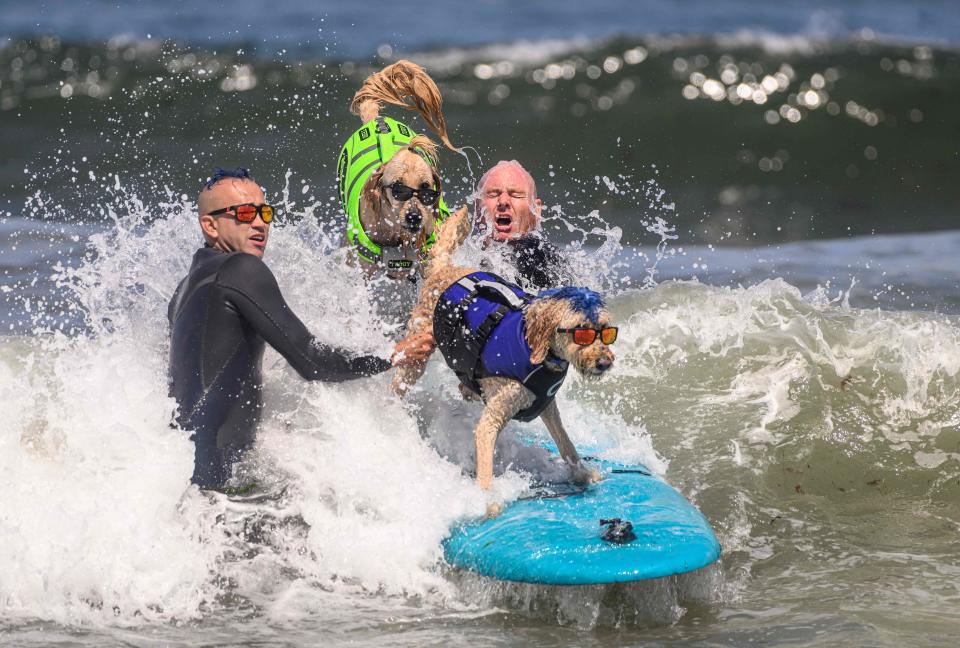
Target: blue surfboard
555,536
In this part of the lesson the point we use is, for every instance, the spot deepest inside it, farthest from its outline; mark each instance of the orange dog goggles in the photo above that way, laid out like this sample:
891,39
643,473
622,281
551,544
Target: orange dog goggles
586,336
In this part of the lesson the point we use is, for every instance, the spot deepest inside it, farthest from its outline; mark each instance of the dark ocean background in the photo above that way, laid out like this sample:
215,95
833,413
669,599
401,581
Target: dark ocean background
759,124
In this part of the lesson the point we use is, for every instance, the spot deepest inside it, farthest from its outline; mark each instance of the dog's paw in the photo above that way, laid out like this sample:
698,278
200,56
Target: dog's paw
399,387
494,509
584,475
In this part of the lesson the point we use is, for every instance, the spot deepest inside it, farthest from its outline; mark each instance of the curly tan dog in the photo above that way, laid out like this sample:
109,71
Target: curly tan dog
389,185
510,349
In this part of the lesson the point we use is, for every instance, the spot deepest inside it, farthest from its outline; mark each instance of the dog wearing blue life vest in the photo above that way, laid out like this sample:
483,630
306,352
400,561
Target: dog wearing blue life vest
389,184
508,348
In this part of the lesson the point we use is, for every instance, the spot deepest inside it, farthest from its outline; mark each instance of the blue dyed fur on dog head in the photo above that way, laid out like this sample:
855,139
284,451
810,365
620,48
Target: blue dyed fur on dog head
582,300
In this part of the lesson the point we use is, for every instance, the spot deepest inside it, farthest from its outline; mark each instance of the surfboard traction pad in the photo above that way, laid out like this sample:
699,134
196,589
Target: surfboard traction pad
555,537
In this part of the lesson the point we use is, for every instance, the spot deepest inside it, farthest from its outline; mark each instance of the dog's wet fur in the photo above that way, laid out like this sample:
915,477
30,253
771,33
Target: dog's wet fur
389,222
566,307
386,221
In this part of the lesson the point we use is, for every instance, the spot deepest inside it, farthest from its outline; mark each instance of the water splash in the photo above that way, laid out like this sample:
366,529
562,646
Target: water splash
353,473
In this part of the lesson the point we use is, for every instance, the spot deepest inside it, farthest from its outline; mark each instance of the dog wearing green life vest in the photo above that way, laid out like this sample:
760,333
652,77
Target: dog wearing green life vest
390,187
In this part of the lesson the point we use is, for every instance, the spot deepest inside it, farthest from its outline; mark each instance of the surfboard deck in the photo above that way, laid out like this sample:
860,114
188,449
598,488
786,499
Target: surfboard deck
555,537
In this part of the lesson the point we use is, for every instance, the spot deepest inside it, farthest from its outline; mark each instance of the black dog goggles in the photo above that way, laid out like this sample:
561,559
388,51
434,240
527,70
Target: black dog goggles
402,193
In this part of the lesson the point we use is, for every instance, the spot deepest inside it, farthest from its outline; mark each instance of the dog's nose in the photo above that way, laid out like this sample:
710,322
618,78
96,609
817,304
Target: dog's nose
413,219
604,363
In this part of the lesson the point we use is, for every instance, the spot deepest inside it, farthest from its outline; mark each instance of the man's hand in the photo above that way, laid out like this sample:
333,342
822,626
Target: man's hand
413,350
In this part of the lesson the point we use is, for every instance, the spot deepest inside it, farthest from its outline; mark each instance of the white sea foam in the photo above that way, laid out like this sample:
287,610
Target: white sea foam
712,387
101,524
518,54
770,363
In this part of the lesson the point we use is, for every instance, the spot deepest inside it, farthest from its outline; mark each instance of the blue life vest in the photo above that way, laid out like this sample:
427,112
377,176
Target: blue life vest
479,327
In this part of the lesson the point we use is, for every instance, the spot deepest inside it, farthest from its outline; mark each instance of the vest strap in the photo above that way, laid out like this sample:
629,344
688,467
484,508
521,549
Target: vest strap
509,301
479,339
506,295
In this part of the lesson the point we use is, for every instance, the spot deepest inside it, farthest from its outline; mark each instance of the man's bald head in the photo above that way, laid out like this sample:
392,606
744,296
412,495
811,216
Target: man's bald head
227,189
506,203
512,168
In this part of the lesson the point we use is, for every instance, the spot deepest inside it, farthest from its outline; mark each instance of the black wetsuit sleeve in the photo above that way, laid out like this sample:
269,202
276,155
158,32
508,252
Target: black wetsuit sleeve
252,289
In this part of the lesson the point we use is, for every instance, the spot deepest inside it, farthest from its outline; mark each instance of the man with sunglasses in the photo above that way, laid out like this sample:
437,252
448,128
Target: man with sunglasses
507,209
221,317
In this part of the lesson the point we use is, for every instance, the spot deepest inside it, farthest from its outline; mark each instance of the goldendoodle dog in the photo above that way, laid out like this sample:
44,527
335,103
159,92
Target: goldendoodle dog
509,348
389,185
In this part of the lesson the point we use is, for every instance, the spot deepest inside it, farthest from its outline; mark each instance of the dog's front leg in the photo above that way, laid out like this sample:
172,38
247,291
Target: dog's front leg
407,375
504,398
581,474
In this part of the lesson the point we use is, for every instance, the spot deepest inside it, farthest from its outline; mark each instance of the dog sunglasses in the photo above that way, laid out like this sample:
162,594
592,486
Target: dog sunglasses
585,336
402,193
247,212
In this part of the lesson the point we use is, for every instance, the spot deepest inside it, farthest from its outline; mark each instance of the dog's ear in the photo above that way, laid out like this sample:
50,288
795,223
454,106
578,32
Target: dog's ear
438,182
435,211
372,194
541,319
373,188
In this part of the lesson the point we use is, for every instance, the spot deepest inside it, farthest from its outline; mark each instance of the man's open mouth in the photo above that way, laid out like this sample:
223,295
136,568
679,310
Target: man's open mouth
259,239
504,223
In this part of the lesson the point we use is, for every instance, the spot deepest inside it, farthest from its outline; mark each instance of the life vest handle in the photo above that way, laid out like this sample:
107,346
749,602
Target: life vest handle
506,295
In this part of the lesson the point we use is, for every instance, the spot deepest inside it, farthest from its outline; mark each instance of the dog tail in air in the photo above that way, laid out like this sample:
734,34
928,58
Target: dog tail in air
396,83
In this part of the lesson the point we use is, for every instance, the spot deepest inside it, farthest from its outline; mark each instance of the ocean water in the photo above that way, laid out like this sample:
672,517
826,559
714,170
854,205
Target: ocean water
784,275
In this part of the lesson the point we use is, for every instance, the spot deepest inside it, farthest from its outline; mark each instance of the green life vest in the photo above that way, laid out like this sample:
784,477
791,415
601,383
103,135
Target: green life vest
369,148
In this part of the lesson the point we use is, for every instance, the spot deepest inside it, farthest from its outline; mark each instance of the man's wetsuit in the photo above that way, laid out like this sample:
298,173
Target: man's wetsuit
220,316
539,264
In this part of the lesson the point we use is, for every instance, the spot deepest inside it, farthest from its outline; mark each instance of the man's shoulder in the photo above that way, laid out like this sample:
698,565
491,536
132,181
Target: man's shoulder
204,269
535,238
535,244
540,263
241,261
244,271
211,263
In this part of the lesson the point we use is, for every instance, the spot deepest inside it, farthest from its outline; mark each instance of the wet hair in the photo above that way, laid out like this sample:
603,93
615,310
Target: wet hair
219,174
582,300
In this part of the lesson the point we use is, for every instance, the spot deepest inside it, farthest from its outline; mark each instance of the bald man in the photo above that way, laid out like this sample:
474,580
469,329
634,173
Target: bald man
221,317
507,209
